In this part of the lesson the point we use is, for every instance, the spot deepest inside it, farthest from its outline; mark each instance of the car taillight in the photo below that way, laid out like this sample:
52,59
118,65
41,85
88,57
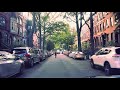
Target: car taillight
27,55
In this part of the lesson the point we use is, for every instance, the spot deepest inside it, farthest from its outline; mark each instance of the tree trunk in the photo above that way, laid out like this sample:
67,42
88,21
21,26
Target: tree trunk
78,32
44,37
33,29
91,35
40,31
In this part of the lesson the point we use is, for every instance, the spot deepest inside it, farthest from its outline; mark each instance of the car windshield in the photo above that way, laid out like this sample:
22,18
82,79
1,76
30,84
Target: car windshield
118,51
19,51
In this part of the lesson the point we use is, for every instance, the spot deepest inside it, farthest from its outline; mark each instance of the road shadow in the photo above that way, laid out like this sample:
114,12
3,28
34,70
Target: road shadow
114,72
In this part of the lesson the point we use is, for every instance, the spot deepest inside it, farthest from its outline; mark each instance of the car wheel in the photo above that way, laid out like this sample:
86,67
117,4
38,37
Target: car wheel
39,60
74,57
92,64
107,69
31,63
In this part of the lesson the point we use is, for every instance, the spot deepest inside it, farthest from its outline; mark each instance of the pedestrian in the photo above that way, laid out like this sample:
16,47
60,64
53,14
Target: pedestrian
55,54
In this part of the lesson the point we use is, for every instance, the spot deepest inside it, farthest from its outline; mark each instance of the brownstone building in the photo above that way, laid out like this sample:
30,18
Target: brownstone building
105,32
11,30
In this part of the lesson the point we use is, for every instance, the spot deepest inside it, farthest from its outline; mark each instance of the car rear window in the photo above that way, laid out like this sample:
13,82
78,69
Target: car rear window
118,51
19,51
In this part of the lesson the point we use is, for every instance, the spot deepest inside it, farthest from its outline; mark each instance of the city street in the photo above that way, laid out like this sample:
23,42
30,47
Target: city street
61,67
27,38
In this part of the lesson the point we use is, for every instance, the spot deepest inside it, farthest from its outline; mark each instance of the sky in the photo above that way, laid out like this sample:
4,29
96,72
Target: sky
28,16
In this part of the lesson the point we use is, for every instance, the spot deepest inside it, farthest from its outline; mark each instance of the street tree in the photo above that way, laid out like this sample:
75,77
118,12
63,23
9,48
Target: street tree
78,20
29,33
41,20
89,23
62,38
50,45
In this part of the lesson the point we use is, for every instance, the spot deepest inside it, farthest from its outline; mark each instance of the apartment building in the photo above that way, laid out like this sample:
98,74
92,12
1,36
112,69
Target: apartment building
11,30
105,32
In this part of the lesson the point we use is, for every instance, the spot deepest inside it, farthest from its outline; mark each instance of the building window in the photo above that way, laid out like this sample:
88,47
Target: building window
97,29
107,37
17,20
107,23
103,25
94,30
21,31
18,41
20,21
98,17
14,39
18,30
111,36
111,21
12,25
5,38
2,22
10,40
102,15
100,28
107,13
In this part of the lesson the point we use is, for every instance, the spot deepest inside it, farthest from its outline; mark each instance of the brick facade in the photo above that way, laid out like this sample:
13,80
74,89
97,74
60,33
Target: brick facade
104,30
11,34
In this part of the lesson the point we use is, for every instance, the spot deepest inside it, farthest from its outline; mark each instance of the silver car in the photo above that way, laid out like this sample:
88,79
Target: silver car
29,55
10,65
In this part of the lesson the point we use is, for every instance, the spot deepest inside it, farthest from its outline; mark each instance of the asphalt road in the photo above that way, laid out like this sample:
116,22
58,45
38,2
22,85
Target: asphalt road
61,67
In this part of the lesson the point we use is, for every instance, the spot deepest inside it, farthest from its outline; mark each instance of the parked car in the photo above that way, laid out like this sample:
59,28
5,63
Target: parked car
72,54
65,52
46,55
79,55
58,51
10,65
40,51
108,58
28,54
49,53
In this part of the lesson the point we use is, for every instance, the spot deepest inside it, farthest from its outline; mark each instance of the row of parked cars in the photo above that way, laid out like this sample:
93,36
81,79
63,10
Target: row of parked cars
21,57
108,58
74,54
